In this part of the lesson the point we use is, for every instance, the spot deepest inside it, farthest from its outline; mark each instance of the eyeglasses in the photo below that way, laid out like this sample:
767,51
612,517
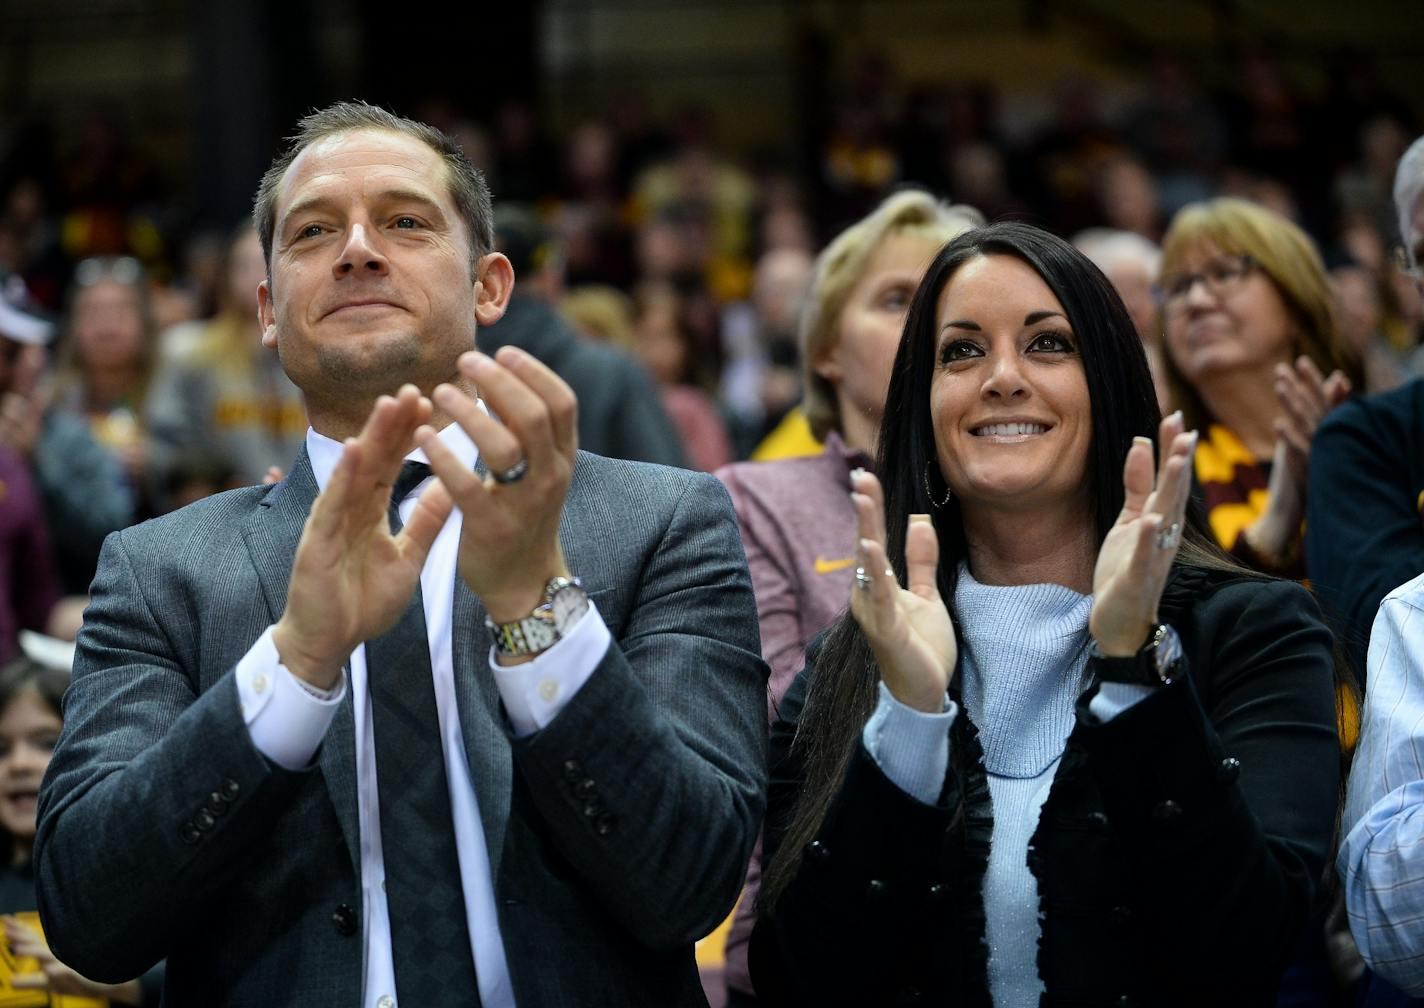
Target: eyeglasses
122,269
1221,276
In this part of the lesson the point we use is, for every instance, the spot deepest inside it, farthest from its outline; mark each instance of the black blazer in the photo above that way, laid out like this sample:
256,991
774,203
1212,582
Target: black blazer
1177,853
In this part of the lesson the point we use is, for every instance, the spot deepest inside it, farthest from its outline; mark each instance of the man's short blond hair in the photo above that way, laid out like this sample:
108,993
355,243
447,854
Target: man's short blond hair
840,265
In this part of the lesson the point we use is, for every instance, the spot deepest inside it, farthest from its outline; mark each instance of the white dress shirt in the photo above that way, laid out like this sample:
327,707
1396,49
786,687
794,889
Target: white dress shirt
288,721
1382,855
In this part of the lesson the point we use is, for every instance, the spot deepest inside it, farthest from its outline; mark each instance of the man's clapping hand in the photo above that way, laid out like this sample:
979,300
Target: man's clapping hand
352,578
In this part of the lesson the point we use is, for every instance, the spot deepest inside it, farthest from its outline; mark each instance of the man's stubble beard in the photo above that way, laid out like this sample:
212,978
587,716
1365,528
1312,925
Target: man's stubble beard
345,378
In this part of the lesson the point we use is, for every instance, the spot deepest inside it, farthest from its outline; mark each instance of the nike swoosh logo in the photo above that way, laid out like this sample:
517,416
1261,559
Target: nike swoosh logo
824,566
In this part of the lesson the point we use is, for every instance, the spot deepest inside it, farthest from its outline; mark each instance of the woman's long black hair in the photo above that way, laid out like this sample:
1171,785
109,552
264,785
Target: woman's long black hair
842,691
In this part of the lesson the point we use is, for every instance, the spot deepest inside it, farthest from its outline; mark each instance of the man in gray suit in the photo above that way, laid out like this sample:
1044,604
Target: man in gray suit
334,743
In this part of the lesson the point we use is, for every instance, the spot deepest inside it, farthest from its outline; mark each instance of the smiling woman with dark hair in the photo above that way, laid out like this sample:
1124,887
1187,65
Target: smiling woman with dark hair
1061,743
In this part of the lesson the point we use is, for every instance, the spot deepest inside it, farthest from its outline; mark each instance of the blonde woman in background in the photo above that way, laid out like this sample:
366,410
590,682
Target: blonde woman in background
797,522
1254,361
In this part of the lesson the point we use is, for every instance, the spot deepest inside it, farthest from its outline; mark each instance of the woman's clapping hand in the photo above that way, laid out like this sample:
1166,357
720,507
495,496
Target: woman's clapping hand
909,629
1305,397
1137,554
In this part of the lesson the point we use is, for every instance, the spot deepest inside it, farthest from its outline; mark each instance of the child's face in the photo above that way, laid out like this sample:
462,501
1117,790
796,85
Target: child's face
29,728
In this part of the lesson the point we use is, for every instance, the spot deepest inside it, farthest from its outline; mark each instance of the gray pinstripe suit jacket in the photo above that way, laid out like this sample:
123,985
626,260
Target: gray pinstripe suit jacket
664,746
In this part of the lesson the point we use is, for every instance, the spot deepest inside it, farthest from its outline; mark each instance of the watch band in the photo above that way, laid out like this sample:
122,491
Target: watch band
1157,663
546,625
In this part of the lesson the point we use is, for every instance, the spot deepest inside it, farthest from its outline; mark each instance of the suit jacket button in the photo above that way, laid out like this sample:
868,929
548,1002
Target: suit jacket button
573,771
1098,820
939,892
229,789
190,833
204,821
343,918
818,852
875,891
585,788
1167,812
603,825
1228,770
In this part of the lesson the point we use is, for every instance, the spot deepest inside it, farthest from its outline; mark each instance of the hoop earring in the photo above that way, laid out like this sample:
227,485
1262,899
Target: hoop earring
948,493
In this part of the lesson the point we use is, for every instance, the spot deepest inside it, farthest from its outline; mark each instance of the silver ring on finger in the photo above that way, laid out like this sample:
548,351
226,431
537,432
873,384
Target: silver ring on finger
862,579
513,474
1169,537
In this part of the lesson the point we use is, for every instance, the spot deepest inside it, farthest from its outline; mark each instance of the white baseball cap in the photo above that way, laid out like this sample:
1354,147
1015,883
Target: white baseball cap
16,323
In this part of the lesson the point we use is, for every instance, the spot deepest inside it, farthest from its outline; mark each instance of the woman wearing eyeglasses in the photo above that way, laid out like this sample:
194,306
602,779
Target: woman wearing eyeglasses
1254,361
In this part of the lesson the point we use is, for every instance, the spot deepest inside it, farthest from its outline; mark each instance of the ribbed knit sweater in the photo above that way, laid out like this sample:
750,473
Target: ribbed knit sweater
1023,658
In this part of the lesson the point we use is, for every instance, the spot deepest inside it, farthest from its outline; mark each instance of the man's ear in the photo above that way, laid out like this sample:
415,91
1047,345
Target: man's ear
494,282
266,317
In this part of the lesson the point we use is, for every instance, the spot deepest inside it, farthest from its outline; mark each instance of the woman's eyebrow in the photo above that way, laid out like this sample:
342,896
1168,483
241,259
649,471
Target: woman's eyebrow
1032,318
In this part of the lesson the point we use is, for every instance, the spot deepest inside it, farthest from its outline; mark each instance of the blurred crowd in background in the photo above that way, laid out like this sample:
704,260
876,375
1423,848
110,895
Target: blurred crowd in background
648,234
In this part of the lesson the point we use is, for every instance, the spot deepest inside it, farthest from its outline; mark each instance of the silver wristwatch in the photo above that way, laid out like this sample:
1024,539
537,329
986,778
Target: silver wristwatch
564,604
1158,663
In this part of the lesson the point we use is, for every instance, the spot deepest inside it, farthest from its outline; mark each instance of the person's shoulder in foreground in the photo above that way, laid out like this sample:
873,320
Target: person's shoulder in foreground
1381,857
1365,520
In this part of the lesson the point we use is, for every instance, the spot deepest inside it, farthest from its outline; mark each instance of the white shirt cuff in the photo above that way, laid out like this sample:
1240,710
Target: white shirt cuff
1113,698
909,746
286,719
536,691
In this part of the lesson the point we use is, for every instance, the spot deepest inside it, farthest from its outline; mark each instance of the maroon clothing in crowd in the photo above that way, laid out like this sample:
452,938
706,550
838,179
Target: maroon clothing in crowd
28,587
798,527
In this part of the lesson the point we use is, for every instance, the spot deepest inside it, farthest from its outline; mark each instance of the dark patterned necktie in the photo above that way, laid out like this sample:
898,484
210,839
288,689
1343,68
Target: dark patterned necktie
430,938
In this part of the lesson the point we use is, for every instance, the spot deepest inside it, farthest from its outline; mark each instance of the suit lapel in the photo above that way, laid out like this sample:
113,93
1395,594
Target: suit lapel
272,534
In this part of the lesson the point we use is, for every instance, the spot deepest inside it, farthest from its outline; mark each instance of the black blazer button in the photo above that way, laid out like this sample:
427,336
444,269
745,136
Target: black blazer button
343,918
190,833
1228,770
603,825
586,788
818,852
204,821
573,771
1098,820
939,892
229,789
875,891
1167,812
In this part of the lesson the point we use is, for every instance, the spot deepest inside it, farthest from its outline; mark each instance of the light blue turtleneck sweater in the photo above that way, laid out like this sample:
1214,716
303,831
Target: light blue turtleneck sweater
1022,665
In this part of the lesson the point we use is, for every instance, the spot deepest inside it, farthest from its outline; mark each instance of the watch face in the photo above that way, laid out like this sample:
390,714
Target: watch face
568,604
